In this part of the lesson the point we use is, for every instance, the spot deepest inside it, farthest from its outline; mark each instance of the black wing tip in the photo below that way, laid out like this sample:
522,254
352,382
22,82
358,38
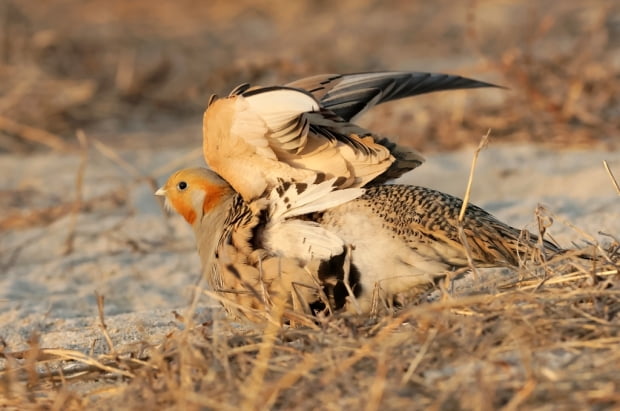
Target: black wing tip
469,82
456,81
482,84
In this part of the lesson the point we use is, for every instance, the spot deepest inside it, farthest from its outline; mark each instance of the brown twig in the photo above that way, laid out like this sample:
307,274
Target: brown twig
34,134
112,155
178,162
377,387
47,215
418,358
347,269
48,354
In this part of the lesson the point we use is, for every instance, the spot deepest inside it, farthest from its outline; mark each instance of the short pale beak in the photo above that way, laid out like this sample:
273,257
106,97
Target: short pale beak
160,192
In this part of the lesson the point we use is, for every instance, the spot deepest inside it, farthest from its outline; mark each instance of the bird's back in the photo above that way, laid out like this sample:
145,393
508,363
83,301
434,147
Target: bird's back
427,220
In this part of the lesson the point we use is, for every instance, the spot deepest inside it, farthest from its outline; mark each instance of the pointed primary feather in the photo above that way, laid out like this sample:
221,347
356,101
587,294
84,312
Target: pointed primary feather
349,95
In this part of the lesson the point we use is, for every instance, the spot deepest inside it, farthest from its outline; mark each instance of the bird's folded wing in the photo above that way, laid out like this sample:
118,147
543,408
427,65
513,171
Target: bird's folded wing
489,241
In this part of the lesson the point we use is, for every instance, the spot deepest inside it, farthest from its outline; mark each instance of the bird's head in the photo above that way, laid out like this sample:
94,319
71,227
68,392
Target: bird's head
194,192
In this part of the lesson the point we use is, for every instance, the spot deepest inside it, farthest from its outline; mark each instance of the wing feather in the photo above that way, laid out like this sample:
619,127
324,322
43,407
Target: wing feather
300,238
256,137
350,95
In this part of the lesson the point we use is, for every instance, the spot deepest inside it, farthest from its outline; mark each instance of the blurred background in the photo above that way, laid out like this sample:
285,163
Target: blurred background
139,73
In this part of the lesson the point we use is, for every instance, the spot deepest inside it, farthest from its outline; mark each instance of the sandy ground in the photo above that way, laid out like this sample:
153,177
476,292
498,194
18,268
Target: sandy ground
144,263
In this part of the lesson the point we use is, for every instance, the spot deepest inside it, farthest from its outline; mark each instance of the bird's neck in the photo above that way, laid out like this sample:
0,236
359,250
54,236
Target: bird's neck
209,230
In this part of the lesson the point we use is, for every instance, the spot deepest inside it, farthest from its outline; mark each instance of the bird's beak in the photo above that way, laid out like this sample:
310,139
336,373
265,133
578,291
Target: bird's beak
160,192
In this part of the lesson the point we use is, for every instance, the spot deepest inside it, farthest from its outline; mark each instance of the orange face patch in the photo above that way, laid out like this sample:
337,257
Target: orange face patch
190,216
182,204
214,196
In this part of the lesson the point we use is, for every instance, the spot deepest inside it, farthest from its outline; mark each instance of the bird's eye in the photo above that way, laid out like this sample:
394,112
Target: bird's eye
182,185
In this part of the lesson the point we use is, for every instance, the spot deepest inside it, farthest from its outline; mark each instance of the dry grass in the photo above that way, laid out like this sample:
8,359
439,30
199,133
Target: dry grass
537,343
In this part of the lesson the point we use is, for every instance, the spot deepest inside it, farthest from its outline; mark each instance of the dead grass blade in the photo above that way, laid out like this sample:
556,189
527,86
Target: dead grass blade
49,354
104,328
79,199
612,177
112,155
470,261
420,355
116,158
377,386
289,379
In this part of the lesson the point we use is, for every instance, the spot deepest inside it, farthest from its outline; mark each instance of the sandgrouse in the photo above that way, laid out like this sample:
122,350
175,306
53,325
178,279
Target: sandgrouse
324,247
258,137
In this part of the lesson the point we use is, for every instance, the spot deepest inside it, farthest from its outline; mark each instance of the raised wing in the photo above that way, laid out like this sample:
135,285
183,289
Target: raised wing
256,137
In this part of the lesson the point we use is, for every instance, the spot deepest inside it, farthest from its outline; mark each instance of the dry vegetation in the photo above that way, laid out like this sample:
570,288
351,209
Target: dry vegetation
547,341
543,342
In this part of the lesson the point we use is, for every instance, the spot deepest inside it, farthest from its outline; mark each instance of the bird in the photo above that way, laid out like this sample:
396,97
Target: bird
253,251
258,136
324,248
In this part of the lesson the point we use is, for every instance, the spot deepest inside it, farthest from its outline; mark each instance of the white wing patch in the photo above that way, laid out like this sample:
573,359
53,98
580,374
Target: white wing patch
280,106
273,119
303,240
247,125
298,238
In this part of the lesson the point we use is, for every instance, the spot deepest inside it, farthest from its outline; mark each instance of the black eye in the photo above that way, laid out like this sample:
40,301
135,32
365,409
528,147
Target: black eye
182,185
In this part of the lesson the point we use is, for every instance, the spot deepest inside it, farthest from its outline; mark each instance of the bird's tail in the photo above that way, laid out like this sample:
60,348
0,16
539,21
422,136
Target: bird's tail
530,247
